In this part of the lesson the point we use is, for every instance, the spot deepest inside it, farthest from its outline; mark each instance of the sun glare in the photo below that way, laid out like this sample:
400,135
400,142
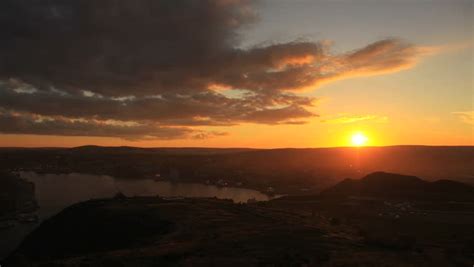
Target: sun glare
359,139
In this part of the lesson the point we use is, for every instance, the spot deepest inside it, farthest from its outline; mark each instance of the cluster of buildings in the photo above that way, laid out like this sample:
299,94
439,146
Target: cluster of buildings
396,209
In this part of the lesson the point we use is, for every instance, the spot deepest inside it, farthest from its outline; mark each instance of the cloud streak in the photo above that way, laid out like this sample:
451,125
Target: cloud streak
23,123
164,68
348,118
465,116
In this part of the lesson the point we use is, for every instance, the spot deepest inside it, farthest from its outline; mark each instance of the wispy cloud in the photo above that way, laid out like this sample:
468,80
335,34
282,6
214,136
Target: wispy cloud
348,118
465,116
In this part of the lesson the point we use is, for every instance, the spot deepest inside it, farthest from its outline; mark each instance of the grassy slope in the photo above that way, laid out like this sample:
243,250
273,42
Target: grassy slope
204,232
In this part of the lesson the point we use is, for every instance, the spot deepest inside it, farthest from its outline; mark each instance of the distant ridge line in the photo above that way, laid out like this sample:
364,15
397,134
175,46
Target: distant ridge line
244,148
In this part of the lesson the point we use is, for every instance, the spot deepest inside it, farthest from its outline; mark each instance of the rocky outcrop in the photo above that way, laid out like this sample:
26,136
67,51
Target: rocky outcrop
390,185
17,197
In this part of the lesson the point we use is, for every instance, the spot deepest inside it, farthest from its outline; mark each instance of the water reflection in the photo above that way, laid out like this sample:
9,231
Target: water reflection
54,192
57,191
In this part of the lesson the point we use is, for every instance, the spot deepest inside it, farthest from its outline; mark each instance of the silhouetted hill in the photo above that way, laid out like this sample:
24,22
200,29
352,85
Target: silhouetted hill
151,231
389,185
188,232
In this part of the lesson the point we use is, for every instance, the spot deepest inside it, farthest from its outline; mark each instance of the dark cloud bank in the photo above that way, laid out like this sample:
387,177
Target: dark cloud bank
159,69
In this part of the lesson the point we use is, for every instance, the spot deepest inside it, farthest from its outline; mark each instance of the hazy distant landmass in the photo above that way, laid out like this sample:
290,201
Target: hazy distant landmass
161,150
284,170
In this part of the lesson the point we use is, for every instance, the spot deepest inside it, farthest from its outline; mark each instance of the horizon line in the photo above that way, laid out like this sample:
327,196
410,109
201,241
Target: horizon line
249,148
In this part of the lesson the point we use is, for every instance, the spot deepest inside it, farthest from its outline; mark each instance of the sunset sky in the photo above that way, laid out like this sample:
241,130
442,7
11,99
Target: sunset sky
230,73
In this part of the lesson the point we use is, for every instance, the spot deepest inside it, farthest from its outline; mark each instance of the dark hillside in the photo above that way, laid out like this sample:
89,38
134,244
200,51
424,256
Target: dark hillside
389,185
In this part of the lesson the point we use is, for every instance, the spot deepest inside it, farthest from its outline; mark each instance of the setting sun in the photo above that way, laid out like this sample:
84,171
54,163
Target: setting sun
359,139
